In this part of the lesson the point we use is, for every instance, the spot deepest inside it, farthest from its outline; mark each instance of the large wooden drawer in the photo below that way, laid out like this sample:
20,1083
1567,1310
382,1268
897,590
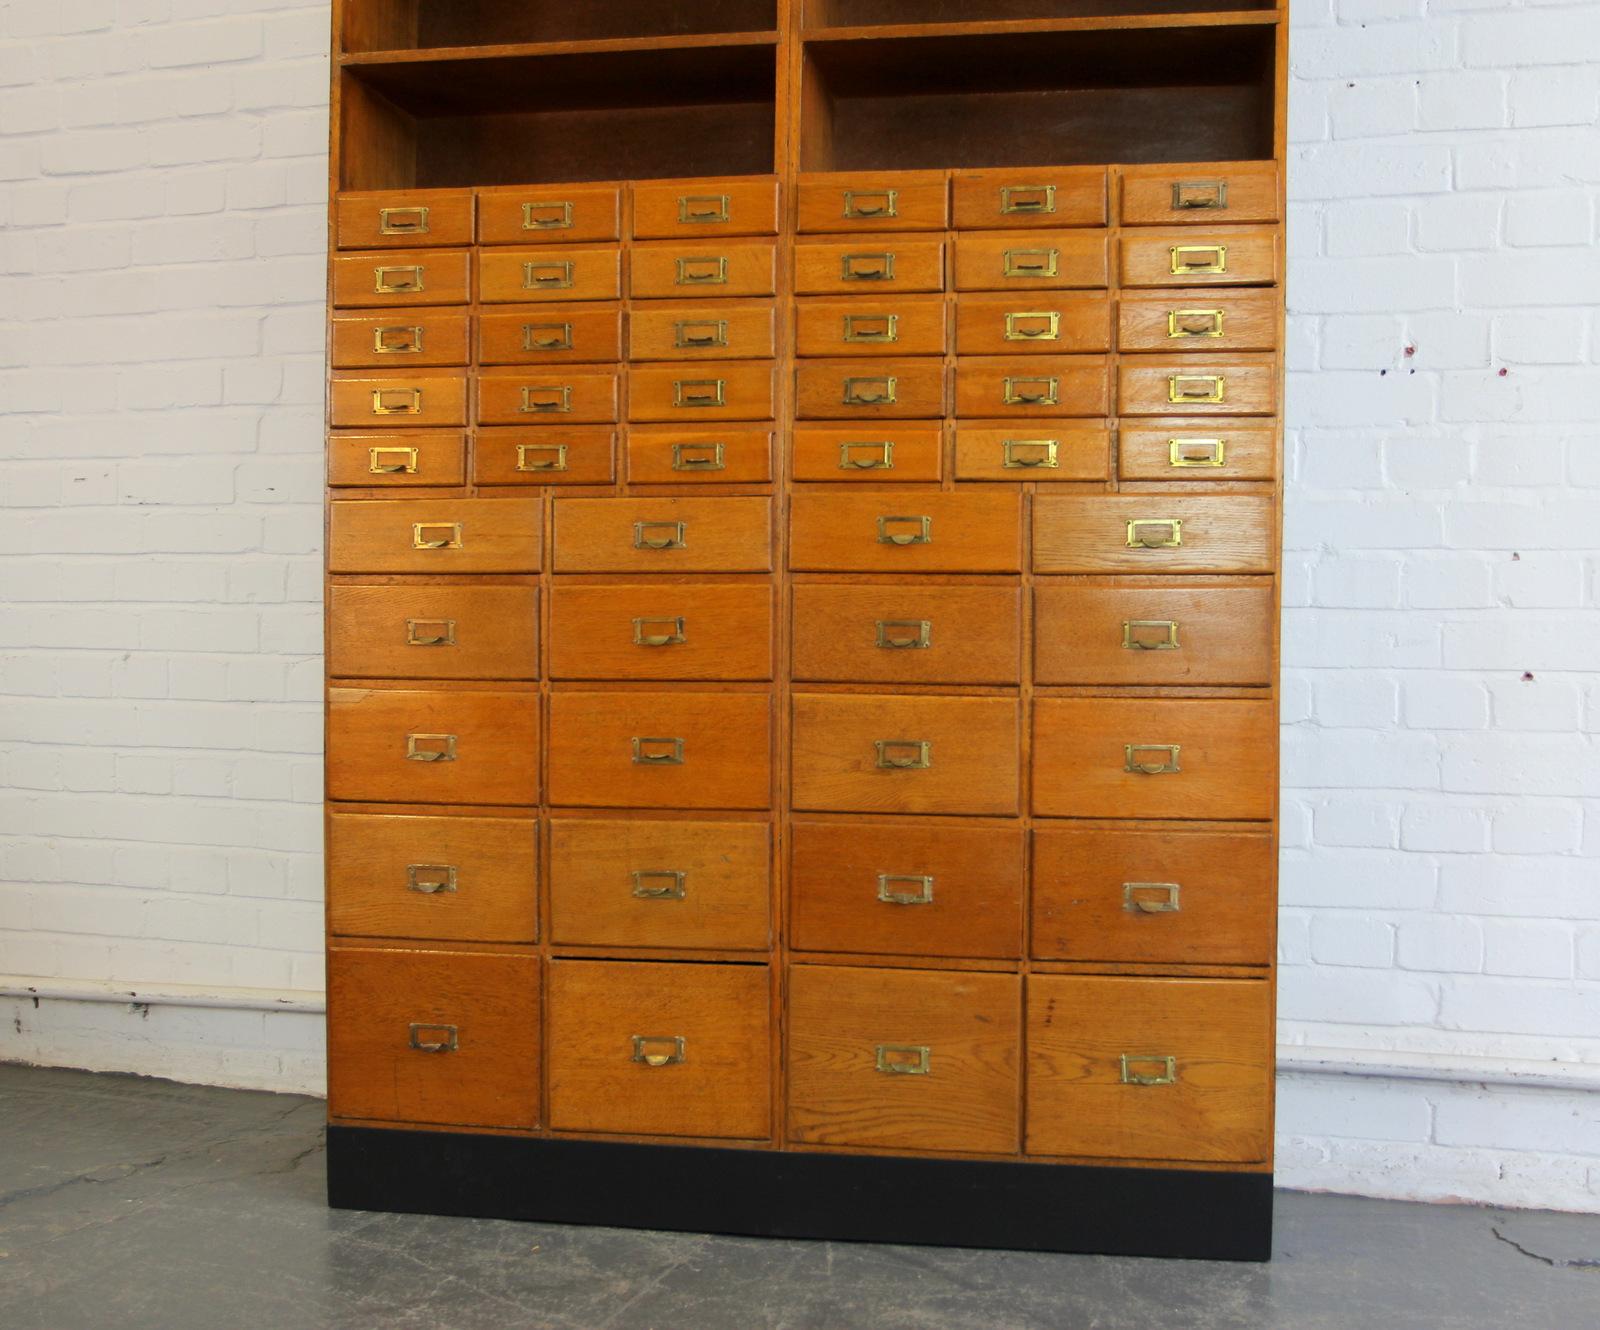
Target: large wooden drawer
1043,450
875,753
888,531
660,1050
1006,325
1032,386
907,632
875,201
389,399
870,389
523,276
1154,1069
397,459
745,205
709,390
1188,450
1234,386
1038,261
559,394
457,879
1154,757
433,1036
707,266
660,884
663,535
399,339
433,632
660,749
734,454
1165,897
870,326
550,335
904,1059
395,277
1152,533
545,454
429,746
708,330
919,889
674,631
1027,197
885,450
1192,256
1200,193
1201,321
868,266
1141,634
529,214
434,536
400,219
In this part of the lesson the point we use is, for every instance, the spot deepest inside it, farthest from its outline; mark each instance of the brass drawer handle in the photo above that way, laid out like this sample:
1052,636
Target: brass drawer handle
699,392
430,879
659,884
397,401
702,270
867,268
1195,322
904,754
1154,533
1150,897
657,752
1027,263
1188,259
1196,452
1043,390
1027,198
1151,759
1150,634
547,275
397,279
878,390
547,337
402,221
699,457
392,461
904,1060
434,1038
1168,1074
882,458
1199,195
1211,388
1033,454
541,457
553,215
875,328
543,398
675,539
1042,325
397,341
905,634
693,333
889,893
860,204
659,1050
425,535
703,209
430,748
922,535
430,632
674,636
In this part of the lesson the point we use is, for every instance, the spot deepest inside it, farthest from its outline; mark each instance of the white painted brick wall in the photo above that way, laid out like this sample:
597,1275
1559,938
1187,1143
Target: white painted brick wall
162,174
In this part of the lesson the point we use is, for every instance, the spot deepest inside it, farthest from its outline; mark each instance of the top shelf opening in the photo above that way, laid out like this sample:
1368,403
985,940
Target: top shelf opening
921,14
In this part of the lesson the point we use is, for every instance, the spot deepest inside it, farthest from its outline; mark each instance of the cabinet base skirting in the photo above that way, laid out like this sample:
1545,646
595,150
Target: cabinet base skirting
1219,1216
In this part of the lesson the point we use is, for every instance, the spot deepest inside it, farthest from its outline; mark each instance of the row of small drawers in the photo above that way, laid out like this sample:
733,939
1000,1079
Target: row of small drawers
852,752
974,531
928,1060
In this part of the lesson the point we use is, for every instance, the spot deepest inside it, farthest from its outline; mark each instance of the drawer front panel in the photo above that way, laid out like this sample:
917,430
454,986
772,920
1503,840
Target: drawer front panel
868,266
1215,256
907,633
921,890
1203,194
1149,1068
560,394
664,535
660,884
1006,326
704,268
713,390
392,400
1198,450
660,1050
1040,451
661,750
906,531
1145,757
457,879
695,209
881,201
397,459
737,454
883,451
554,335
1172,634
676,631
437,1036
420,746
919,1060
869,389
433,632
552,214
399,339
1041,261
558,273
1063,196
1152,534
548,455
1197,386
1033,386
876,754
864,326
434,536
1201,321
1160,897
403,219
402,277
728,331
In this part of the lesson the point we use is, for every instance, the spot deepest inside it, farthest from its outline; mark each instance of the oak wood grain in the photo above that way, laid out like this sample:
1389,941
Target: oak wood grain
737,454
867,325
399,339
402,219
1036,450
550,274
708,267
433,632
718,535
565,214
1217,534
1250,193
550,335
907,632
678,631
1200,256
705,208
401,278
886,450
920,202
970,532
405,458
435,536
1189,449
1030,198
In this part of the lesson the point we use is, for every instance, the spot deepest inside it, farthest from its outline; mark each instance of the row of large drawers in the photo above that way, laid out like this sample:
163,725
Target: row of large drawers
1102,1066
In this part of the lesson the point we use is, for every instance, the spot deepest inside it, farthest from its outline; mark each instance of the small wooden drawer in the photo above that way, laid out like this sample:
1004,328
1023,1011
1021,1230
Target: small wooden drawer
523,276
860,753
1199,321
1154,757
1153,897
664,535
1039,261
660,1050
890,531
864,326
1140,634
397,459
1243,386
706,390
669,631
1198,450
1062,196
434,536
907,632
437,1036
887,450
660,884
1054,450
1217,256
457,879
550,335
881,201
548,213
1158,1069
708,267
1032,386
904,1059
660,749
433,632
428,746
387,400
864,267
1152,533
403,219
727,330
924,889
870,389
739,454
399,339
402,277
546,454
558,393
1204,193
1006,326
741,206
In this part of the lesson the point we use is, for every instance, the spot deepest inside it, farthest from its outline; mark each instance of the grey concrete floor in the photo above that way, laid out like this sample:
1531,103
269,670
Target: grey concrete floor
128,1203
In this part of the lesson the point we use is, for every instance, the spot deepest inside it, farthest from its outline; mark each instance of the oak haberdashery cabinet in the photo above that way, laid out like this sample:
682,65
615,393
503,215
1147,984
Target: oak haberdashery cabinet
802,600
